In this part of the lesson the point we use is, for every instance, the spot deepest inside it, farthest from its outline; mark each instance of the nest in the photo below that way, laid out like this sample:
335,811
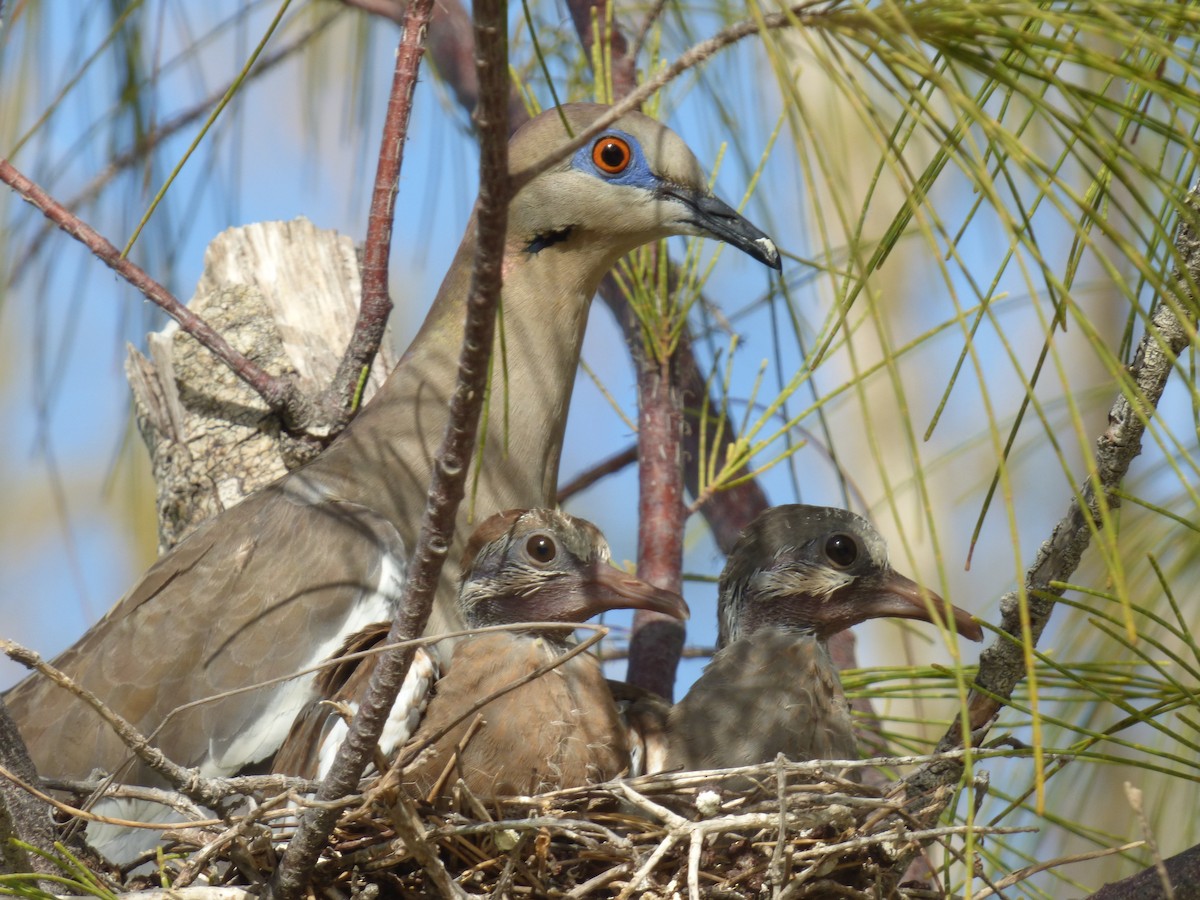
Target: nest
782,829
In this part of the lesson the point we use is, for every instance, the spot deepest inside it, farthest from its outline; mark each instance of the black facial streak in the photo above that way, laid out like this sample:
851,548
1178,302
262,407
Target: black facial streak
542,241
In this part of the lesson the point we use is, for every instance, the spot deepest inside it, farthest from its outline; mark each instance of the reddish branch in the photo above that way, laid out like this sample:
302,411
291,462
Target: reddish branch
280,394
449,475
657,640
451,48
376,301
592,16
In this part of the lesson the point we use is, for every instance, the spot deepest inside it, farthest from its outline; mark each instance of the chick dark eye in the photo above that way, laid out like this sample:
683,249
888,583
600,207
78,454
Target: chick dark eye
841,550
611,155
541,548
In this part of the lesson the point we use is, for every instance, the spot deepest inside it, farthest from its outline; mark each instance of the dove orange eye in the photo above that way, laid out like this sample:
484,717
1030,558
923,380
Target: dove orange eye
541,548
611,155
841,550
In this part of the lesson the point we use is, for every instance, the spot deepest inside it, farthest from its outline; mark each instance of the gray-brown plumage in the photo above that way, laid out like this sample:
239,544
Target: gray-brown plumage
559,730
278,583
797,575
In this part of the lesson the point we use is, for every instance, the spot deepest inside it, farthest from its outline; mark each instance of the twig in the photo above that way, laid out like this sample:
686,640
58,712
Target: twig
1021,874
587,888
187,781
694,56
376,302
1002,664
452,762
779,860
413,749
95,817
197,861
280,394
693,870
450,469
898,835
408,827
535,823
1134,796
647,867
674,821
609,653
185,806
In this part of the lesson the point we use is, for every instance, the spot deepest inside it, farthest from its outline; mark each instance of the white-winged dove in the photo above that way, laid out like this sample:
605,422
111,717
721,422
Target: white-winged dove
278,582
560,729
797,575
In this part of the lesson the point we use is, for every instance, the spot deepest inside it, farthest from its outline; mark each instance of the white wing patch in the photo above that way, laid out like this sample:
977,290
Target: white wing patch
263,736
402,721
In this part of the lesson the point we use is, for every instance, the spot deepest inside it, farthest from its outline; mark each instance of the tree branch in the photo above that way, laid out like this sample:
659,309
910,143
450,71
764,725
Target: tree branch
189,782
1172,326
450,469
657,640
280,394
376,306
22,816
600,470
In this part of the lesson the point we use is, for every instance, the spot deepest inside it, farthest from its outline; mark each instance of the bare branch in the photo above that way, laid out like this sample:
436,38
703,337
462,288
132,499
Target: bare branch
376,303
1171,327
187,781
448,483
22,815
280,394
657,639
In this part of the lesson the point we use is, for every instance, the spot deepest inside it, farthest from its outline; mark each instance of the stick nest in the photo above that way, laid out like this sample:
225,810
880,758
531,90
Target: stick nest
782,829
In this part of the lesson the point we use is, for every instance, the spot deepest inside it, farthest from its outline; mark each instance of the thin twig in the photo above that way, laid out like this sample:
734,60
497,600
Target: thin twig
1021,874
602,469
187,781
693,871
1134,796
376,302
279,393
408,827
95,817
648,866
197,861
452,762
412,750
694,56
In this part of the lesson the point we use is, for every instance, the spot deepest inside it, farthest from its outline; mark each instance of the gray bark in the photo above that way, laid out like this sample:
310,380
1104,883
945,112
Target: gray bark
285,294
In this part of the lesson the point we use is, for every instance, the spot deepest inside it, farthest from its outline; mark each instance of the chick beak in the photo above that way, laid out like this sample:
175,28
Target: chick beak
607,587
898,597
713,217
